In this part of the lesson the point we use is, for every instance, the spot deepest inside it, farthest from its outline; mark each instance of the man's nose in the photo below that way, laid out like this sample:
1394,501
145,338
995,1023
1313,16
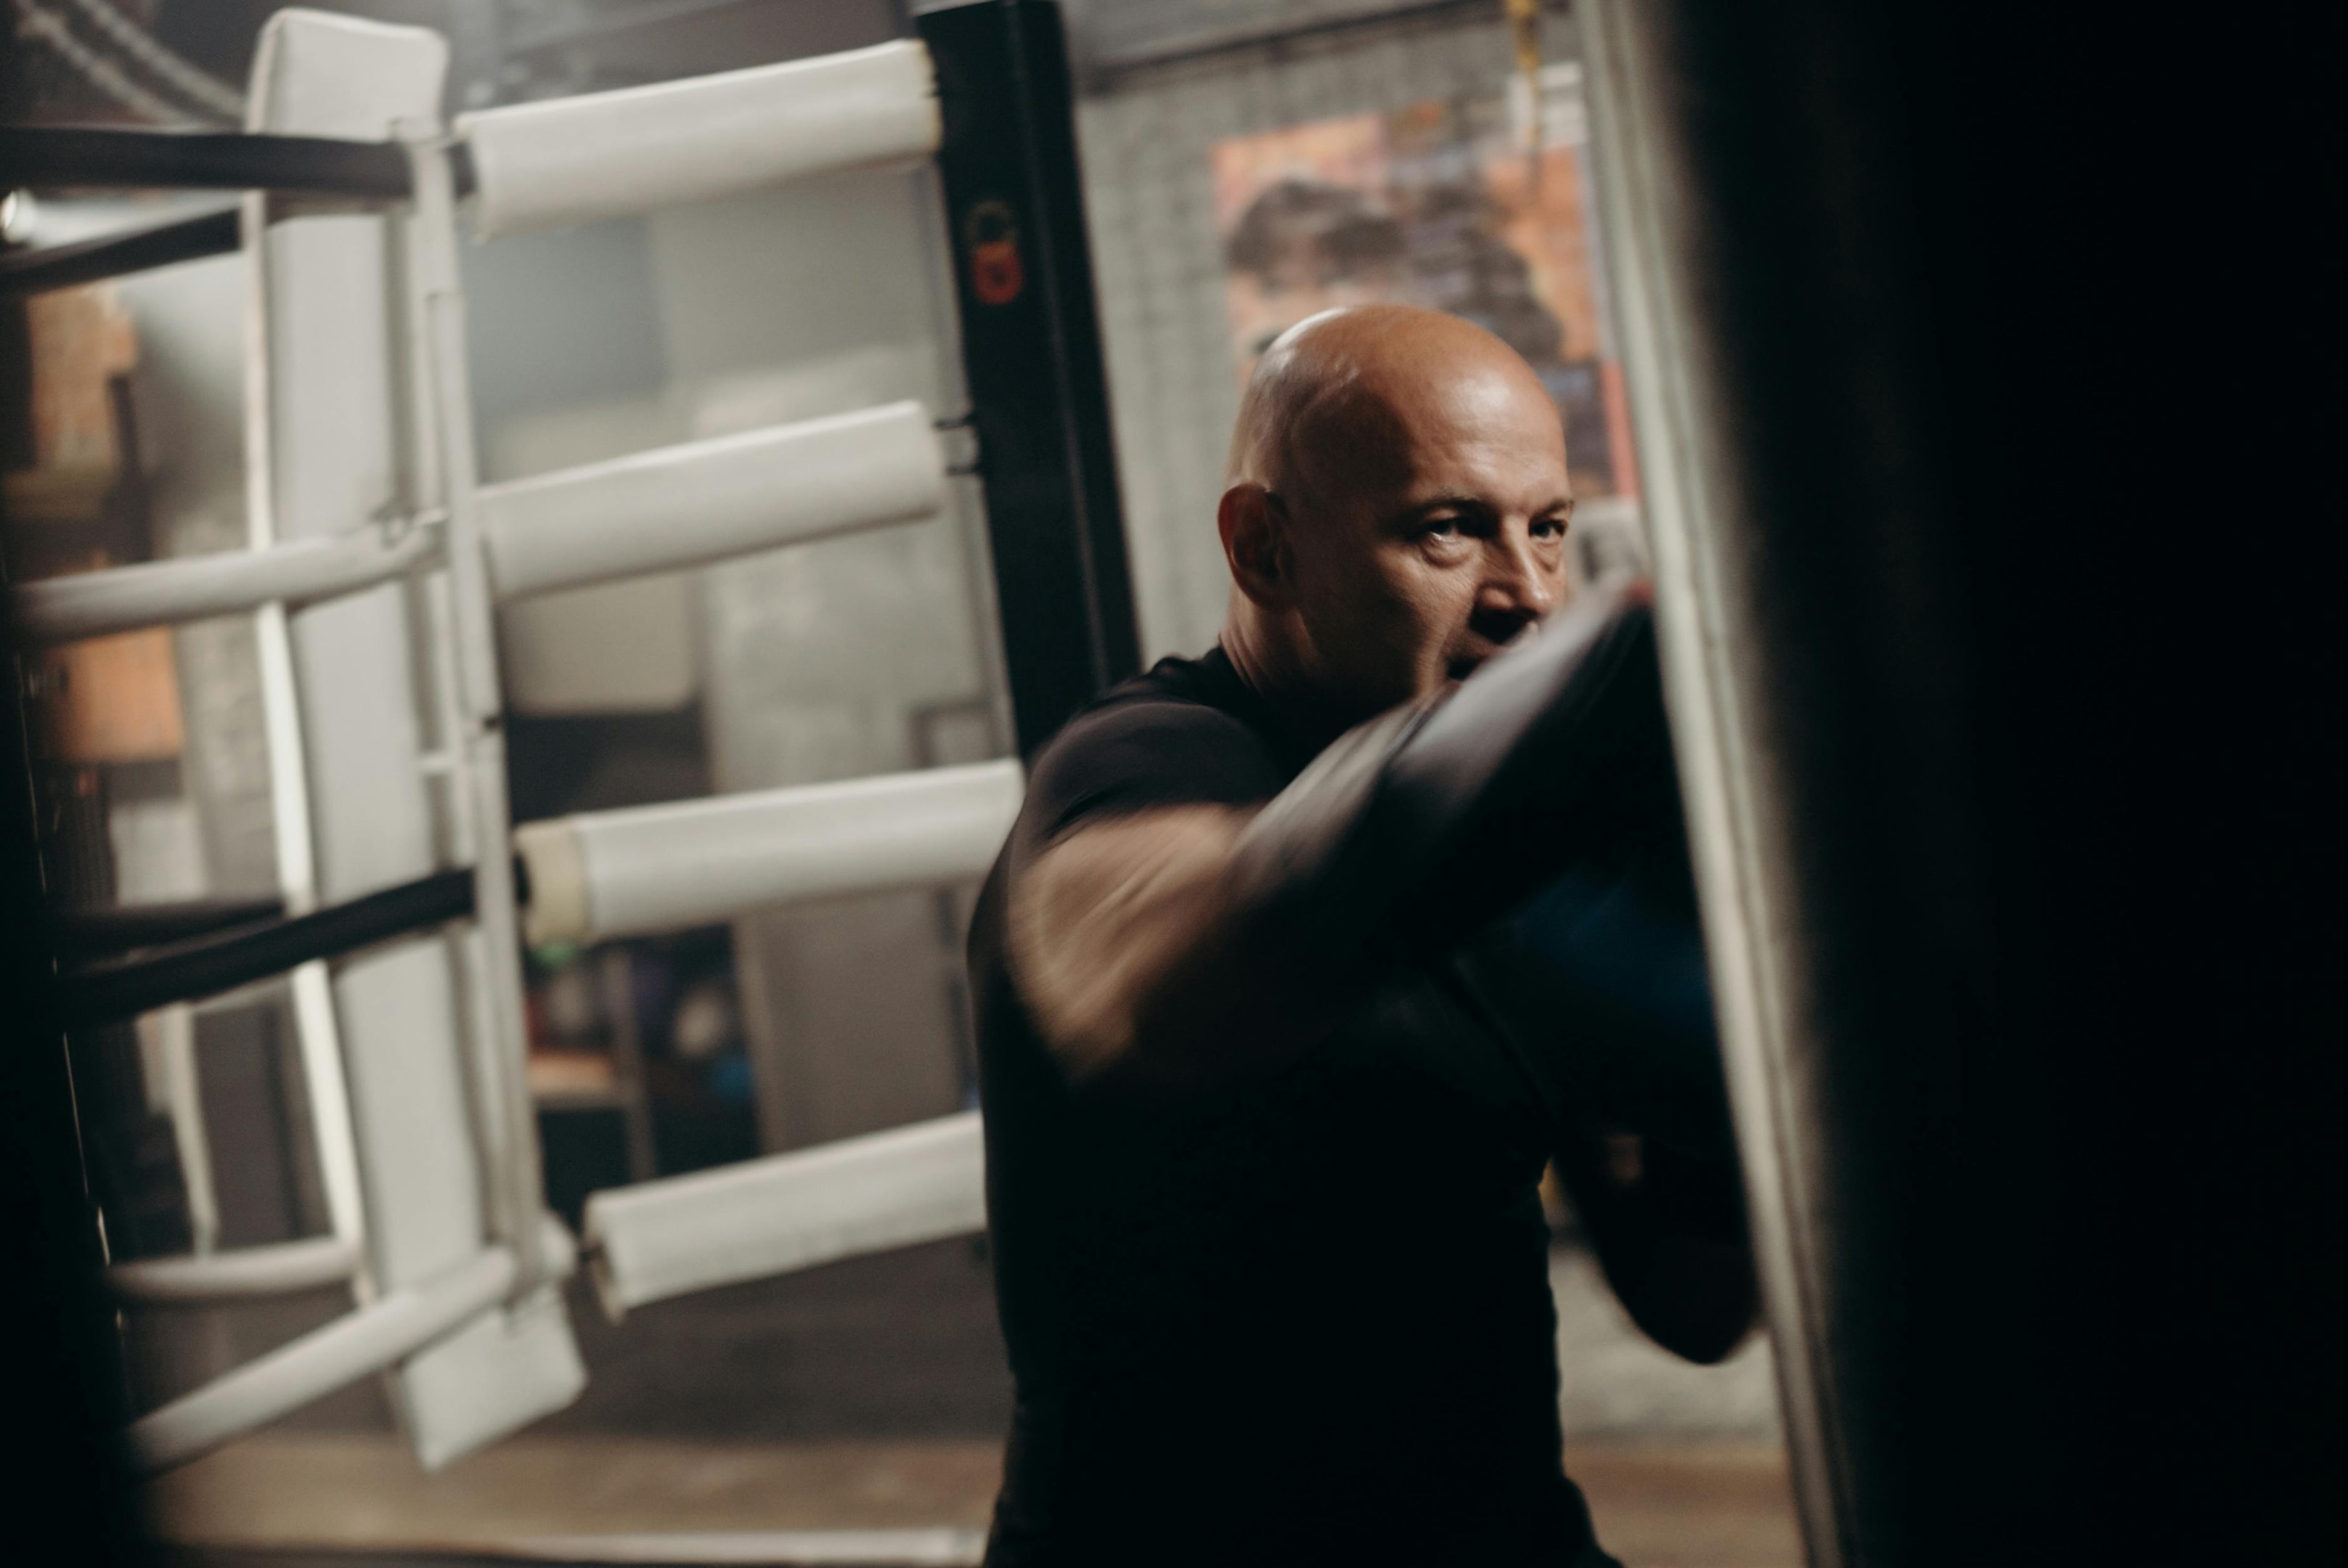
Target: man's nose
1517,583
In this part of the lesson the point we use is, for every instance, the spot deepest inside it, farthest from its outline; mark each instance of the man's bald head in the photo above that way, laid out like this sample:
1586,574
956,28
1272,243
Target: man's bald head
1393,510
1335,397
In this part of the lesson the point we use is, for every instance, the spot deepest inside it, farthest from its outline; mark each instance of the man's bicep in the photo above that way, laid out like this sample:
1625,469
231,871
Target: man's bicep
1114,873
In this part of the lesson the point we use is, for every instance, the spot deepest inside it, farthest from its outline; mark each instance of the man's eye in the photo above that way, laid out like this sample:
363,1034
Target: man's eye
1440,528
1550,528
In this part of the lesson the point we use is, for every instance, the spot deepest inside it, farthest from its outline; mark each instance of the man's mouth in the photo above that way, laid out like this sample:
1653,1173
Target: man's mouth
1467,661
1479,645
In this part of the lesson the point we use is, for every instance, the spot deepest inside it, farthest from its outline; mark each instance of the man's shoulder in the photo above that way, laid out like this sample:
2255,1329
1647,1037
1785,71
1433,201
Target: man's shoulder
1176,702
1173,736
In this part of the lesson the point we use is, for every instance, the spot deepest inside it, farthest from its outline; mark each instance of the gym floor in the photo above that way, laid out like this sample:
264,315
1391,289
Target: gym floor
853,1413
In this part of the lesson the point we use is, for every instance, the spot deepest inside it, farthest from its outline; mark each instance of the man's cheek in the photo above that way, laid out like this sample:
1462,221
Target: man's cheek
1443,614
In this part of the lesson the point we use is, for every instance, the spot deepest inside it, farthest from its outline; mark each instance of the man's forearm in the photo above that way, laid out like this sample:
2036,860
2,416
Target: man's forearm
1139,961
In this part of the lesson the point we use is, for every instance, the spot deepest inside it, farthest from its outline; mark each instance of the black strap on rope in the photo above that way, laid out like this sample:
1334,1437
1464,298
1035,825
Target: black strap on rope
124,987
83,933
112,255
91,155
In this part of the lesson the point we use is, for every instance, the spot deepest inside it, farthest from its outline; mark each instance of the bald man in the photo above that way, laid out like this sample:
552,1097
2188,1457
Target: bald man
1268,1080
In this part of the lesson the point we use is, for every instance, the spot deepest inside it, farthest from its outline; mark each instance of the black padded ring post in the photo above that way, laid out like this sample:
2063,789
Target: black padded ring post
1032,357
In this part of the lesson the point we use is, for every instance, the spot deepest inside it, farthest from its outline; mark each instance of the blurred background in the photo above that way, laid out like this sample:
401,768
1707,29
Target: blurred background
1245,164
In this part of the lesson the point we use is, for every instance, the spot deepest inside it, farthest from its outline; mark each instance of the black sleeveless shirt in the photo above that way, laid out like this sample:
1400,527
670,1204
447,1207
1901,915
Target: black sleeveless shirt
1298,1320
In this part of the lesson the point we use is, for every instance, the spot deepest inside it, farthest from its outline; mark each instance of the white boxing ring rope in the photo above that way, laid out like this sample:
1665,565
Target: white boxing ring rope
670,1237
600,874
606,155
689,505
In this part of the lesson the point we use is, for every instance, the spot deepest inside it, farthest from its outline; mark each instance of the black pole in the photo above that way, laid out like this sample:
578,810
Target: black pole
1032,353
45,157
124,987
34,271
79,935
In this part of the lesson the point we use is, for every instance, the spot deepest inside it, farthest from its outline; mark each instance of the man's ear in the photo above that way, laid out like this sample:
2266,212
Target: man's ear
1254,530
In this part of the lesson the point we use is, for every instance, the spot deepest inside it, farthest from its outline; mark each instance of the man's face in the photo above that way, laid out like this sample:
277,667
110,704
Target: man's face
1431,535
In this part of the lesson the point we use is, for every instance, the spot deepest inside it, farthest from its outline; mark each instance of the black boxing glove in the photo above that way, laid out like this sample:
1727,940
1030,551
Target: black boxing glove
1424,825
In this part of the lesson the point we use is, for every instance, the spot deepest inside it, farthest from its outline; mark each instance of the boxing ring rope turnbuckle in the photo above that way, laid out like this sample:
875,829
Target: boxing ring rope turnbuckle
600,874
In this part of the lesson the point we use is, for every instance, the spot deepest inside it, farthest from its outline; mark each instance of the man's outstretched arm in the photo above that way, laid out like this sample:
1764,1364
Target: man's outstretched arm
1123,941
1186,942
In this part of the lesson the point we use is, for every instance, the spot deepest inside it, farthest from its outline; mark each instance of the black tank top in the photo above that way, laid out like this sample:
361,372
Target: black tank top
1304,1319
